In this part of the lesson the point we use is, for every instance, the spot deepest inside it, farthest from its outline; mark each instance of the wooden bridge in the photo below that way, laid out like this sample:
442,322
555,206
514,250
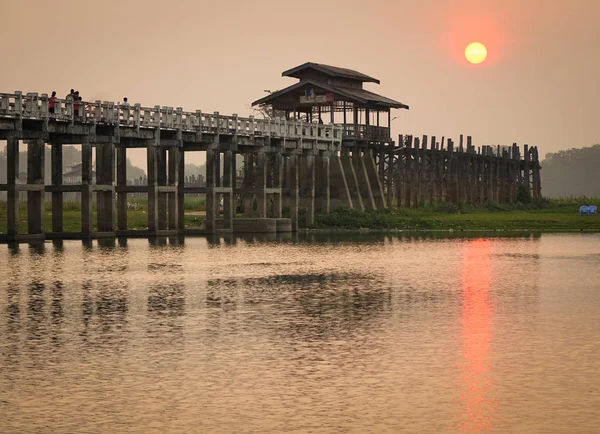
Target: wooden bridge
290,168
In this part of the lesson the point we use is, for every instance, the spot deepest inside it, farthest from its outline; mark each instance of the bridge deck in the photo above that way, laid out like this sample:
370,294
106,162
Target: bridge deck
90,117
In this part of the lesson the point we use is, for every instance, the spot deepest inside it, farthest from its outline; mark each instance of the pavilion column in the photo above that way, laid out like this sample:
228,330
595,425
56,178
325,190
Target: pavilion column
35,176
12,172
87,182
57,196
173,182
122,184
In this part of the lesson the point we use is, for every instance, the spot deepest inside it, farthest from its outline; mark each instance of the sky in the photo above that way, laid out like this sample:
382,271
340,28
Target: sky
538,86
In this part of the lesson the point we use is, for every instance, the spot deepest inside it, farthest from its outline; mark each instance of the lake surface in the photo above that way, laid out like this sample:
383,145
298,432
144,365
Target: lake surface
321,334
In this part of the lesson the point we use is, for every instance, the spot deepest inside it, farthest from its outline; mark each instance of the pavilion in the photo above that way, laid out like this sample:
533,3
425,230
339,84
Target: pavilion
330,94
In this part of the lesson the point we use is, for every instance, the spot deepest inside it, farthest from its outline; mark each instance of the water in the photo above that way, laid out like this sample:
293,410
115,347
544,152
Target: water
370,334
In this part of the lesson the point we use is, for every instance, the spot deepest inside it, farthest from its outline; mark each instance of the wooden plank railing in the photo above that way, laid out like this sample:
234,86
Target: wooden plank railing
34,106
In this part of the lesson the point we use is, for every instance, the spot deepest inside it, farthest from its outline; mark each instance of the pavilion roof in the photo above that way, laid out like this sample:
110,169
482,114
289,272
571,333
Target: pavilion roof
334,71
358,96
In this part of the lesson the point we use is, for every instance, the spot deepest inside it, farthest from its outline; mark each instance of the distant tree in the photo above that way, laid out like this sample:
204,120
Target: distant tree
572,172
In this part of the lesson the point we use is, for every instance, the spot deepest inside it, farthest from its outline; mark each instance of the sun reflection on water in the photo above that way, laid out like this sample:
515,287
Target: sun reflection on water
477,318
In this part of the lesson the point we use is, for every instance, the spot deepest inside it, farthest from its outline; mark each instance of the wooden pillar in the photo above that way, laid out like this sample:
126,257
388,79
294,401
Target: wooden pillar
433,190
536,175
399,171
294,190
35,176
278,183
86,189
57,196
121,183
248,185
261,185
181,189
326,184
210,192
162,182
526,169
152,154
408,168
105,168
389,193
308,189
12,173
173,181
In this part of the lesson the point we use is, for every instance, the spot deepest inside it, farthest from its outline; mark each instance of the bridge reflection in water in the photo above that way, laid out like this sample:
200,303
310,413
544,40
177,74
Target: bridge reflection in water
477,318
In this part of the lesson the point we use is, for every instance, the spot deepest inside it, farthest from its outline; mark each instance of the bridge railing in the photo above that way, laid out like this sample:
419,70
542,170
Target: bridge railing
34,106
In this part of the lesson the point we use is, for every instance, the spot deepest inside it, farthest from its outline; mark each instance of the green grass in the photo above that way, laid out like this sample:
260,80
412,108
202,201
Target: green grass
549,215
137,219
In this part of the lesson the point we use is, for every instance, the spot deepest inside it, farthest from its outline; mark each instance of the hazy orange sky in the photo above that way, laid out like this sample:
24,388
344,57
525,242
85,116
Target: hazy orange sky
538,85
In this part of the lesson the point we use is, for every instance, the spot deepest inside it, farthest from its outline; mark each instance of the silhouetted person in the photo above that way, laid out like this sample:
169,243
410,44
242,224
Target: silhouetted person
52,102
125,103
78,107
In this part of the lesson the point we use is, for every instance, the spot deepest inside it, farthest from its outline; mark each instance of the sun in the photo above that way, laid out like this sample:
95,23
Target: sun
476,52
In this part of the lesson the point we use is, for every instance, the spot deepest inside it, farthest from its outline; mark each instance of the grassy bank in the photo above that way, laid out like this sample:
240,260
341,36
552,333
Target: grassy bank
550,215
553,215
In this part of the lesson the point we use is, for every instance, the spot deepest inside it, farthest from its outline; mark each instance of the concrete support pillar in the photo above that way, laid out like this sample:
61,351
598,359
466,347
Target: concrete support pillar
122,182
35,176
162,182
294,185
86,190
12,174
173,181
229,182
57,196
152,153
211,218
261,185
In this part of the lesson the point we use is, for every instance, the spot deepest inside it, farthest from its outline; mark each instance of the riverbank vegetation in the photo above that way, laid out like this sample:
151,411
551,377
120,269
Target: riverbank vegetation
549,215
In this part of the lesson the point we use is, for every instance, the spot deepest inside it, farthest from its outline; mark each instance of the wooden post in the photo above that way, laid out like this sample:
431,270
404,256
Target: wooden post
173,181
294,191
261,185
57,196
278,183
308,190
122,183
86,190
181,190
210,192
12,173
35,176
326,184
162,182
152,154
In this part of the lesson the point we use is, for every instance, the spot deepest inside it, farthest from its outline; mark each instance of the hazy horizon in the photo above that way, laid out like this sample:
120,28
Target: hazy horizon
538,85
